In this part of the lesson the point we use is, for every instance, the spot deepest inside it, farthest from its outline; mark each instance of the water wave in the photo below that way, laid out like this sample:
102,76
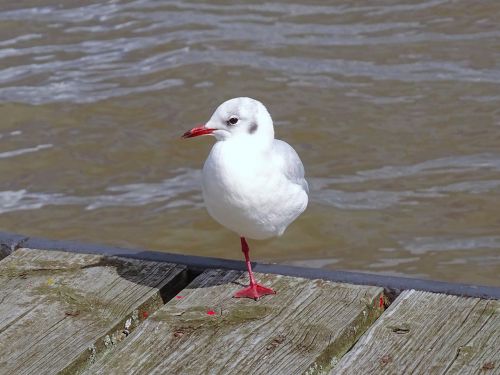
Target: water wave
324,193
92,61
423,245
22,151
182,190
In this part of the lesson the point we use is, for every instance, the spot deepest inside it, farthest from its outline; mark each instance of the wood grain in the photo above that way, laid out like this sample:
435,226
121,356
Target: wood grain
305,328
58,310
429,333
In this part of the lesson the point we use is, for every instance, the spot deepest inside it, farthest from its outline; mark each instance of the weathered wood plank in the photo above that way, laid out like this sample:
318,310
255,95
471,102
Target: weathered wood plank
429,333
304,328
58,310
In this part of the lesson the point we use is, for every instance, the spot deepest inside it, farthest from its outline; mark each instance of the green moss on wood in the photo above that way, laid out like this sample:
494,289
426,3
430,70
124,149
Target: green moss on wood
346,340
196,317
74,302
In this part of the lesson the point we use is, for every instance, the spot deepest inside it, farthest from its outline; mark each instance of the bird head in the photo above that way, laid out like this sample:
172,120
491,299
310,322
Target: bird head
236,118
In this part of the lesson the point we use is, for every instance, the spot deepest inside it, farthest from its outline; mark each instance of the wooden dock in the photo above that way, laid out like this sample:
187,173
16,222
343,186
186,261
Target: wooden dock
99,310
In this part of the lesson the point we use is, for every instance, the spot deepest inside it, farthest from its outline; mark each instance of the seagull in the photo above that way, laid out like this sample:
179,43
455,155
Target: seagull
252,183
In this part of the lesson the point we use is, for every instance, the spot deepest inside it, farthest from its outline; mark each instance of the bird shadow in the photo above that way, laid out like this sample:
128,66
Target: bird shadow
137,270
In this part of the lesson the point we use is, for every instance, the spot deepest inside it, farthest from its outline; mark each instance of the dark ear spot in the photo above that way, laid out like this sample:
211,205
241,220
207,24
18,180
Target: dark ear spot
253,128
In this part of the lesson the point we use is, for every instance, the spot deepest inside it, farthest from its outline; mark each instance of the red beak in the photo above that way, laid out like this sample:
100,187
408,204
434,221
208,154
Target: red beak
195,132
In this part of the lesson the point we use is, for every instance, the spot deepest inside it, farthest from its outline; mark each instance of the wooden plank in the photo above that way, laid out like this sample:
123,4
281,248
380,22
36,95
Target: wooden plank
59,310
428,333
198,263
303,329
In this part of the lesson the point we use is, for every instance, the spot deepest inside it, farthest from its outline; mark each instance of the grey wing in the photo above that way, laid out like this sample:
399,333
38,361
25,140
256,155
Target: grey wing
290,163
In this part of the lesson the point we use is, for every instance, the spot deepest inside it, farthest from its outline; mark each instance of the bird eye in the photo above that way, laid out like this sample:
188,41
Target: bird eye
232,120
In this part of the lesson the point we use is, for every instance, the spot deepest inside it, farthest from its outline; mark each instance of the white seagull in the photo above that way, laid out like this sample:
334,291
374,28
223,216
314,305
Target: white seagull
252,183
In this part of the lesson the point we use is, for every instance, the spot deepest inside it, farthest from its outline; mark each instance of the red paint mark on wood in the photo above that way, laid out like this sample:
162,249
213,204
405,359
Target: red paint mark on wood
145,314
210,312
179,297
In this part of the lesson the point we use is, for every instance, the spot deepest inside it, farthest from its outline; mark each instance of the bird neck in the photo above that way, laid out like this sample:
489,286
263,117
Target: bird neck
251,142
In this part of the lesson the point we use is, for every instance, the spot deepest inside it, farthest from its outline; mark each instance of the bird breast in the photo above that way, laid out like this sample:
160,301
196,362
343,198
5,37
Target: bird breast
245,192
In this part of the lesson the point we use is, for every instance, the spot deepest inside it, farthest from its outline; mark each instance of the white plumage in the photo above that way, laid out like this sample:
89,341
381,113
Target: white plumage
253,184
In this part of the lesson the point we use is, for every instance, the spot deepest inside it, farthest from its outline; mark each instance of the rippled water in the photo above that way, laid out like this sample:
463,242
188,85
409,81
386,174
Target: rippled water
394,107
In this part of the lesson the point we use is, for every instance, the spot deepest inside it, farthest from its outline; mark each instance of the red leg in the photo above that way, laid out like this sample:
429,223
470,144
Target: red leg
254,290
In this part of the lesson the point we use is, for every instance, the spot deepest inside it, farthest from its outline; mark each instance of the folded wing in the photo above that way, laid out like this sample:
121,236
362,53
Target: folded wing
289,162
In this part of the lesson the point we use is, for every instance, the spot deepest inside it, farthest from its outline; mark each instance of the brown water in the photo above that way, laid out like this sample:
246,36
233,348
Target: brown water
394,107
